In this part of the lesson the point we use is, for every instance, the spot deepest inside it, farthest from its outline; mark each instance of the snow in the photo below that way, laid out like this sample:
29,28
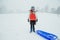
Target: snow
14,26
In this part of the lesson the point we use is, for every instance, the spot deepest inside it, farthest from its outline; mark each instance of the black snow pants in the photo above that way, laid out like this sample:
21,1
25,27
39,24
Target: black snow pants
32,25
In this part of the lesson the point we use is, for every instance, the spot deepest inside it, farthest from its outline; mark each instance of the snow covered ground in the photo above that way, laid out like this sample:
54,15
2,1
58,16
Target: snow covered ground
14,26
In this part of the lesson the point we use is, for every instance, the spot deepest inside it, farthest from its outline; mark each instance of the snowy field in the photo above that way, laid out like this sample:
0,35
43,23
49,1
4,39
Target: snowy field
15,26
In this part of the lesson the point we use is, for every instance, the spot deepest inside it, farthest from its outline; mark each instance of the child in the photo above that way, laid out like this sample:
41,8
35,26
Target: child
32,19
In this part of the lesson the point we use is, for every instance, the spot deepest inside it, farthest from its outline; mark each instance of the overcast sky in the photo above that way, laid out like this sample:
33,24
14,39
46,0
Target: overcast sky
26,4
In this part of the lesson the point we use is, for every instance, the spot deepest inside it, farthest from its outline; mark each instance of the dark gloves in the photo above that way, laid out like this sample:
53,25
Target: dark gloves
36,20
28,20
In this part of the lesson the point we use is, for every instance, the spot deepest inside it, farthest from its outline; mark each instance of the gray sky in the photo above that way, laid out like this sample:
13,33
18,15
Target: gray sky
26,4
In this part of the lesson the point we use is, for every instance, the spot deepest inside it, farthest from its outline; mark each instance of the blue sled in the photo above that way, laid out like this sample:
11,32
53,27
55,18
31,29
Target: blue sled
46,35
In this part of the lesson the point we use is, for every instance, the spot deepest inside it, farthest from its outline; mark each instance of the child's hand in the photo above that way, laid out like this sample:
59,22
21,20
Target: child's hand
37,20
28,20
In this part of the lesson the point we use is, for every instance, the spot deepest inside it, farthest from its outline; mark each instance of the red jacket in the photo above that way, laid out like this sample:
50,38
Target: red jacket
32,16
